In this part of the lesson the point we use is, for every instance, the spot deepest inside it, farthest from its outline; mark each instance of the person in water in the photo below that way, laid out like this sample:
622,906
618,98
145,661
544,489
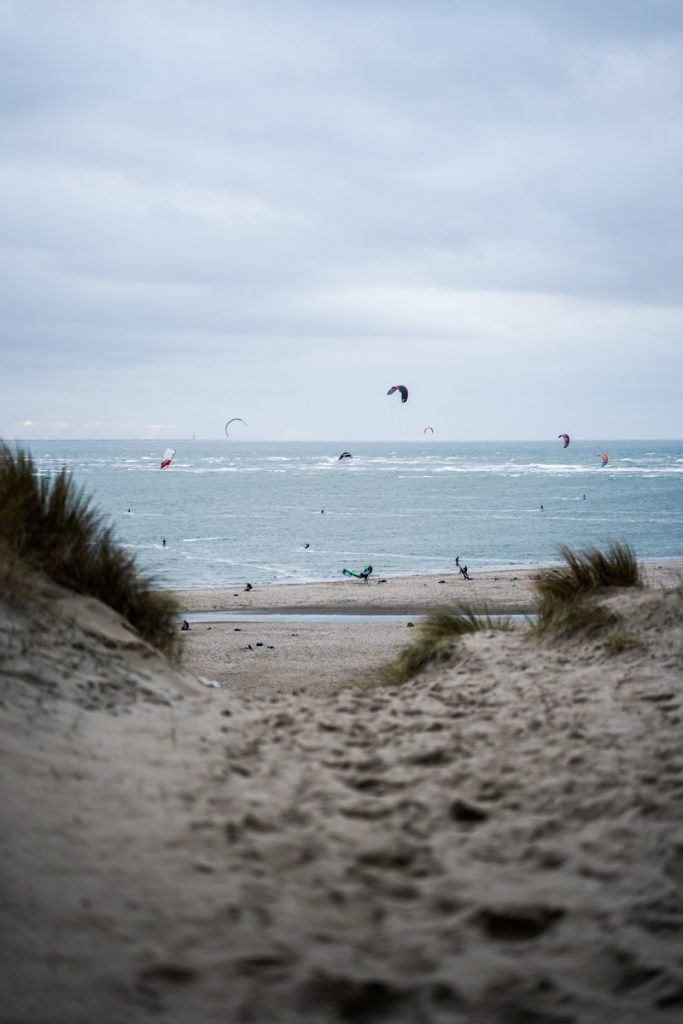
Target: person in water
163,542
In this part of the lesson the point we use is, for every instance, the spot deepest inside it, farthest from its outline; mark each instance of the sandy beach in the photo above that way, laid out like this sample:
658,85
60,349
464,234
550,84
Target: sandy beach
498,839
264,657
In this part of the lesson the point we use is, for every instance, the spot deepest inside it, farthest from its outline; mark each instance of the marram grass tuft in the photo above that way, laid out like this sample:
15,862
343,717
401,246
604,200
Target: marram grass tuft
435,641
52,525
563,596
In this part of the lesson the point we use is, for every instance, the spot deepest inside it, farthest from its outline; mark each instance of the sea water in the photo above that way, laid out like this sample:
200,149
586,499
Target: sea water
236,512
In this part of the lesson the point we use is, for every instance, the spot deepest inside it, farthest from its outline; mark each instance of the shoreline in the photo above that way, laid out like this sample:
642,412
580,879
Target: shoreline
504,591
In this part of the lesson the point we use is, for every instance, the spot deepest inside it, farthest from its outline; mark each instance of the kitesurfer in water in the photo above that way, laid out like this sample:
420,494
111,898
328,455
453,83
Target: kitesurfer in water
163,542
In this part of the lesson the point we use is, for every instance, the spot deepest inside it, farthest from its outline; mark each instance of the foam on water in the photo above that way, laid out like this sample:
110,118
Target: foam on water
234,511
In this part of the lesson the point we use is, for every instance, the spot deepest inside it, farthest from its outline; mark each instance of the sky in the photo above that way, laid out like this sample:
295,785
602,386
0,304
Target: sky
278,210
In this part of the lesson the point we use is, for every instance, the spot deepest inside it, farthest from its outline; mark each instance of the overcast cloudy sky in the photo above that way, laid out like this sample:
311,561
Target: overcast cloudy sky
276,210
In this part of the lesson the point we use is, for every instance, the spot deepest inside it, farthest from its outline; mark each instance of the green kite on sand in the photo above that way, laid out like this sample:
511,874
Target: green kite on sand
359,575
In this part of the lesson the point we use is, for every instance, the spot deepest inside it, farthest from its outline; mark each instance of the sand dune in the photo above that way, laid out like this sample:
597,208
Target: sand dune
497,840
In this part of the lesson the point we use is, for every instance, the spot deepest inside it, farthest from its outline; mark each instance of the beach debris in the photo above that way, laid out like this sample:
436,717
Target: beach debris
166,459
345,455
237,629
185,626
235,419
565,440
213,683
441,581
270,647
259,644
402,389
248,648
410,625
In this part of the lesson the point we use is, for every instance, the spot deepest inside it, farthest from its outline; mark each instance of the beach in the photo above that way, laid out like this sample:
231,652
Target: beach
319,657
497,839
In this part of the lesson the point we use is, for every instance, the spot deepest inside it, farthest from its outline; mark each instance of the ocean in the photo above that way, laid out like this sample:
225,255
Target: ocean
236,512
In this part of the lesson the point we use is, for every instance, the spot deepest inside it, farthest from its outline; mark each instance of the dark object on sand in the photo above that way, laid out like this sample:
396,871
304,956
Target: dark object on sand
248,587
409,624
186,625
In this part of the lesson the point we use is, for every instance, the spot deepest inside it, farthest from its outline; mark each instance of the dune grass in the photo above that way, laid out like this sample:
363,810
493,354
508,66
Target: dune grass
53,526
564,597
437,635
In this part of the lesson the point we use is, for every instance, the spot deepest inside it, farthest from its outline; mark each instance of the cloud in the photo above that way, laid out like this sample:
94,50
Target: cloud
281,189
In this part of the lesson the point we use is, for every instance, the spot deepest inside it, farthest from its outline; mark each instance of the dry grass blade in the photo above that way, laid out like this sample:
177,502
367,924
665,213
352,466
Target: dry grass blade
563,596
51,524
438,633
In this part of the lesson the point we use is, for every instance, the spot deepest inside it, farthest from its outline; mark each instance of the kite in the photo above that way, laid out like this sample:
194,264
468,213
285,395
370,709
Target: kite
346,455
428,428
167,458
402,388
235,419
359,575
604,458
565,440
